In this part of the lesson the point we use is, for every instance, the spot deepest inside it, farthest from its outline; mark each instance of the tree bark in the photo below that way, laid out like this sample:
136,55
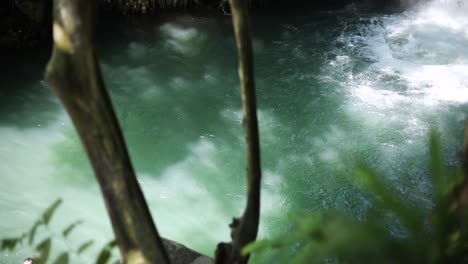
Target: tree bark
74,75
245,229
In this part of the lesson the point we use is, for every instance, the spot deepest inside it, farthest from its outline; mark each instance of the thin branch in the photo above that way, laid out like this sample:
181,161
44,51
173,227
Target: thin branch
245,230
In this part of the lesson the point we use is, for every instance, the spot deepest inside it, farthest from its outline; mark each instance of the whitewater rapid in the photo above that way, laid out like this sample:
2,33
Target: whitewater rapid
332,88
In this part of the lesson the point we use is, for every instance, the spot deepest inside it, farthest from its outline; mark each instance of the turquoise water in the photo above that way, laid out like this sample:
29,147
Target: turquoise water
332,87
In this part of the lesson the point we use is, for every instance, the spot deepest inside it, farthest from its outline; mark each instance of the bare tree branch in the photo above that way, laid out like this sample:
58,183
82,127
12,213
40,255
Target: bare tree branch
245,230
75,77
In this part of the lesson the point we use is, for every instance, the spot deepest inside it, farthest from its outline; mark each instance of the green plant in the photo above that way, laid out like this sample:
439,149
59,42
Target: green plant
44,246
334,237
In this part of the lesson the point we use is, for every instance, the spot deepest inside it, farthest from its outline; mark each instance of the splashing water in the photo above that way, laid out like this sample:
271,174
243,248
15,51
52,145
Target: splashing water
333,88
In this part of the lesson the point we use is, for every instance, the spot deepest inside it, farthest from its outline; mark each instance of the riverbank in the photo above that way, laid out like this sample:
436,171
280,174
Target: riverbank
25,24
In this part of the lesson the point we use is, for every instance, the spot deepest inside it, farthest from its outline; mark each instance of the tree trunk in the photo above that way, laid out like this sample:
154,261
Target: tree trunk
74,75
244,230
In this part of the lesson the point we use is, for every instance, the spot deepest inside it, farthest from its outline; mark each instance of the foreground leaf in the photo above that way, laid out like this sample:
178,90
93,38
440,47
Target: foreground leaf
44,249
9,243
49,212
62,259
70,228
85,246
105,253
32,233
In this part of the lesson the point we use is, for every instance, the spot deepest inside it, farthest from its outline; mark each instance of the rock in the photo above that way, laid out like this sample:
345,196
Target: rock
180,254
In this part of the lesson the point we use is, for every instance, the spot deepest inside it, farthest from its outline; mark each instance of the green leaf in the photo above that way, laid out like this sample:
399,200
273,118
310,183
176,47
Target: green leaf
49,212
70,228
111,244
32,233
105,253
389,199
23,236
62,259
436,166
256,246
103,256
9,243
44,249
444,209
305,255
85,246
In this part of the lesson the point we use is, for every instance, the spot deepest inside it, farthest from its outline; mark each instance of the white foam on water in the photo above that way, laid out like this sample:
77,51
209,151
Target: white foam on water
137,50
31,181
137,81
419,65
441,83
184,199
380,99
184,40
192,194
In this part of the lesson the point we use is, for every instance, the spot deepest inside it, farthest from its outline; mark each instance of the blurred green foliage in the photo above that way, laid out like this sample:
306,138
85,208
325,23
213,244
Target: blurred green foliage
44,246
334,237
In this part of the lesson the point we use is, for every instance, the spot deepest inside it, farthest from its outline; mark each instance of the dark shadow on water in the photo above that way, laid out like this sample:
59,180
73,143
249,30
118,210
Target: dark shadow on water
25,100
